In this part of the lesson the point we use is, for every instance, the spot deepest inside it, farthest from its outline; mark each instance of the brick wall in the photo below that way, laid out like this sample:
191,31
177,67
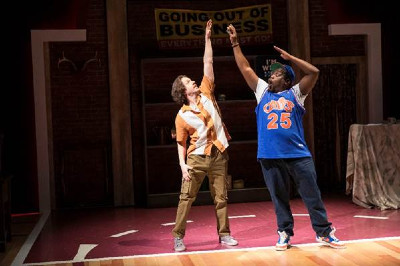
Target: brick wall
80,107
322,44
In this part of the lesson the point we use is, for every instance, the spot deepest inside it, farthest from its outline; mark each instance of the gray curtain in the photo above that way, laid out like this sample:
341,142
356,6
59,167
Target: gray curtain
334,110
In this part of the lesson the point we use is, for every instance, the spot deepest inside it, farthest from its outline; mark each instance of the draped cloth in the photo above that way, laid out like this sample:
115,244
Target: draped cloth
373,165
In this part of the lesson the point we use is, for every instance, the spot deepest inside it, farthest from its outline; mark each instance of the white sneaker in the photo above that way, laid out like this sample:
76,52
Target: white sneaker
228,240
331,240
178,244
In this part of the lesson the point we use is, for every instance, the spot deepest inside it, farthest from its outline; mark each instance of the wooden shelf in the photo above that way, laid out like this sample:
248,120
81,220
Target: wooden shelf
204,197
173,104
231,143
162,104
169,146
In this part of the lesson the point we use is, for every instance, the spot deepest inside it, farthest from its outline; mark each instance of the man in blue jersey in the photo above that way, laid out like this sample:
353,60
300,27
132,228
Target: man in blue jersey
282,150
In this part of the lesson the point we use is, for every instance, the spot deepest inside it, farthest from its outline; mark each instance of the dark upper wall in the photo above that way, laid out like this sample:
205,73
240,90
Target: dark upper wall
370,11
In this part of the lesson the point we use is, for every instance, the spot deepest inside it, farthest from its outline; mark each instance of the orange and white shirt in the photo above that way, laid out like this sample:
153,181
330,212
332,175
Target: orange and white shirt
203,124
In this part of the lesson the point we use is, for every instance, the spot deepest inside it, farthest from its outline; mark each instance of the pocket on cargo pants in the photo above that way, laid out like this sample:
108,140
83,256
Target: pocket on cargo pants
185,186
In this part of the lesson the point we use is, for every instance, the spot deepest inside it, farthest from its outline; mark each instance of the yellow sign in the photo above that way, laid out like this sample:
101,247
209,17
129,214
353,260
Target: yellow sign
178,28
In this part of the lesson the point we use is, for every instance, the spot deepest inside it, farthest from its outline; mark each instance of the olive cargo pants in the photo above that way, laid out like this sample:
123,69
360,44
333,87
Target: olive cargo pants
215,167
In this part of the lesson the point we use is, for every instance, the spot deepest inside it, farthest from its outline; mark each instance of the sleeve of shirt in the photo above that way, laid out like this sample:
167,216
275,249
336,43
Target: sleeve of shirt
181,132
206,86
299,96
262,86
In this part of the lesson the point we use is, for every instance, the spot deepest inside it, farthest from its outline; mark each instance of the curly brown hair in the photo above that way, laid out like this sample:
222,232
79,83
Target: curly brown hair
178,91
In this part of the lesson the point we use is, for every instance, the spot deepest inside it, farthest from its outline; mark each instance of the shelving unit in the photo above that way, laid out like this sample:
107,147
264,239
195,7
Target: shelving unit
163,173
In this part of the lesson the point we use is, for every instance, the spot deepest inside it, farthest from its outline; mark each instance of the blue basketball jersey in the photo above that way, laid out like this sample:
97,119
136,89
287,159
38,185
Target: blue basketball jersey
279,125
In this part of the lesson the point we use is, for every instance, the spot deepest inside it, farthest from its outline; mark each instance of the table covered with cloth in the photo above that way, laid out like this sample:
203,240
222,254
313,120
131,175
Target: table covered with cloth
373,165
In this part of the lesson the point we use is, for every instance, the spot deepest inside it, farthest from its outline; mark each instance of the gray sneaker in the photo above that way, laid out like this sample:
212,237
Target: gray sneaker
178,244
228,240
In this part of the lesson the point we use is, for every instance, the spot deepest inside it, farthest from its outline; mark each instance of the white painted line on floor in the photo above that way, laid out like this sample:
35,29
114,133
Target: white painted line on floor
211,251
371,217
168,224
301,214
125,233
83,250
26,247
242,216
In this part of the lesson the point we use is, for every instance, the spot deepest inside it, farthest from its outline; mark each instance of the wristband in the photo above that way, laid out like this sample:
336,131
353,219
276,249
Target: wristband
234,45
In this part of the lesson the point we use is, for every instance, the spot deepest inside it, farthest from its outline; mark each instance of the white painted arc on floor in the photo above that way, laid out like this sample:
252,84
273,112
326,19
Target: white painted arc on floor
125,233
83,250
371,217
242,216
26,247
168,224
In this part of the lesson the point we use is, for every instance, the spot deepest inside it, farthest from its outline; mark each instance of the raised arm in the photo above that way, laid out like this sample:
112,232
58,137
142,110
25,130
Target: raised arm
248,73
208,53
311,73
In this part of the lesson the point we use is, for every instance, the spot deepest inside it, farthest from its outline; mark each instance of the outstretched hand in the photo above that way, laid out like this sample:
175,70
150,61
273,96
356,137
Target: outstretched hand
285,55
208,28
232,34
